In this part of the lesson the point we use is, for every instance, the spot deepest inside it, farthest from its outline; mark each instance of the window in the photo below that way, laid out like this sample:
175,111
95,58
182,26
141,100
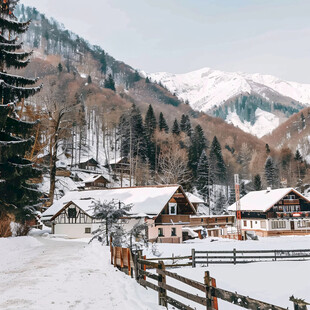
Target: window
278,224
262,224
173,231
160,232
87,230
201,220
255,222
172,208
244,223
72,213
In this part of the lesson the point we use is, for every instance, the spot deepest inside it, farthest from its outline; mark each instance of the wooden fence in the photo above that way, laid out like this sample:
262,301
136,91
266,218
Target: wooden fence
246,256
137,265
210,296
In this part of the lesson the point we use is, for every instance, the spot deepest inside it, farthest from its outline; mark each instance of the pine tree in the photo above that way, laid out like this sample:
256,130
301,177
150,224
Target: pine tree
198,144
89,80
217,164
267,149
257,183
303,120
17,196
137,76
60,68
271,172
103,62
150,127
185,125
298,156
109,82
150,121
162,124
203,177
147,80
175,128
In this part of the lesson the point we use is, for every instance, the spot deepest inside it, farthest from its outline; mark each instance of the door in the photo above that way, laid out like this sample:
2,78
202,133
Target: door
292,225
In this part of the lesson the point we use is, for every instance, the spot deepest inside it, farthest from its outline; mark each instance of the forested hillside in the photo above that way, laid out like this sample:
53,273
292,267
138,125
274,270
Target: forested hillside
93,106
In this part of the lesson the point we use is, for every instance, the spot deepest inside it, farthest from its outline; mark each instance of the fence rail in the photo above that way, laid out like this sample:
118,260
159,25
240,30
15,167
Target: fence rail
246,256
209,292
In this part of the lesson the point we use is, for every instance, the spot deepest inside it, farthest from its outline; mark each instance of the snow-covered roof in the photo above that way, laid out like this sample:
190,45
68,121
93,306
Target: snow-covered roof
94,178
262,200
148,200
194,199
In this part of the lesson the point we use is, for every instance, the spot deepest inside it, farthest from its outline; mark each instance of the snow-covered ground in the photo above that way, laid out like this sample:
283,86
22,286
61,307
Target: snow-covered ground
272,282
54,274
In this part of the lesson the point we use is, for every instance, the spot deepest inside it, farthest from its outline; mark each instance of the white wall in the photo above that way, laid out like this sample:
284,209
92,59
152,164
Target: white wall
75,230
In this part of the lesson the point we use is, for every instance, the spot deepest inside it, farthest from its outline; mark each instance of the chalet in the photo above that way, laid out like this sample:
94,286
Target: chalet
96,181
165,209
282,211
215,225
89,164
120,165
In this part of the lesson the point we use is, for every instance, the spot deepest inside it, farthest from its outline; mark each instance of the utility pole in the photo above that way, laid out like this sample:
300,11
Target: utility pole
238,206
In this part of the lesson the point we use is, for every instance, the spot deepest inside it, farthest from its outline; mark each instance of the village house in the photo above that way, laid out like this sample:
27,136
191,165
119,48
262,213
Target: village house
96,181
282,211
165,208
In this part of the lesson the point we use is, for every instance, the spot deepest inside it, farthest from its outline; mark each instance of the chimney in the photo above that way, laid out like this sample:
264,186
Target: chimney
268,189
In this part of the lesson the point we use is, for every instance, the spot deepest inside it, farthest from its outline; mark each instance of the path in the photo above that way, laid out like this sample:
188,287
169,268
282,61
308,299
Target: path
61,275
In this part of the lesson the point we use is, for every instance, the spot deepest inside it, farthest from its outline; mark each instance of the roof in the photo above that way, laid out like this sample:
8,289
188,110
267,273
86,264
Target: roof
194,199
95,178
147,200
263,200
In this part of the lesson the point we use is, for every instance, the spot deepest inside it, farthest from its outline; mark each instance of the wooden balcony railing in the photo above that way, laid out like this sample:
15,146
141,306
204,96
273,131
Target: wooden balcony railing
291,201
169,218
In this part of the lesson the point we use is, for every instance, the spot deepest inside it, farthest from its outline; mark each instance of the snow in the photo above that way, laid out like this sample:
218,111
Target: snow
262,200
272,282
193,198
207,88
150,199
42,273
265,122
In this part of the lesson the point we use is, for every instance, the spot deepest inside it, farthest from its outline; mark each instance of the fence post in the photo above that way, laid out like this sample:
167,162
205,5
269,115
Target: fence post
275,255
214,299
112,253
162,293
136,257
128,262
144,268
234,252
193,258
207,281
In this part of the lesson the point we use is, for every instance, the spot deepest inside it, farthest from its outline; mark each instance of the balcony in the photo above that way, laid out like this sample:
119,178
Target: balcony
291,201
169,219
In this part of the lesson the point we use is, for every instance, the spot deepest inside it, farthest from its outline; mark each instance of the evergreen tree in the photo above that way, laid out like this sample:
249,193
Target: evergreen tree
203,179
303,120
162,124
271,172
150,127
147,80
175,128
185,125
243,190
267,149
89,80
217,164
17,196
103,62
109,82
198,144
257,183
60,68
298,156
137,76
150,121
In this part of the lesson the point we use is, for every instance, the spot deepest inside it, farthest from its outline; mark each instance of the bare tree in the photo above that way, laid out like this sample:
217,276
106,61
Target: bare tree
172,164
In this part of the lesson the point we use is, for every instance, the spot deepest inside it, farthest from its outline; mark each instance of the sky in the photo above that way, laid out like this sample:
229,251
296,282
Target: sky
179,36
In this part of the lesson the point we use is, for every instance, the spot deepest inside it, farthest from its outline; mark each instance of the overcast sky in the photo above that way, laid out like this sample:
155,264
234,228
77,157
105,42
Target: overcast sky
264,36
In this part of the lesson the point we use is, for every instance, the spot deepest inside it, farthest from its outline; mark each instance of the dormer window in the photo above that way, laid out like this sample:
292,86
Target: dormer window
172,208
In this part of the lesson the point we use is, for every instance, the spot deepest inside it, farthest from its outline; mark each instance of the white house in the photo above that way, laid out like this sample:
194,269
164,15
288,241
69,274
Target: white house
282,211
165,208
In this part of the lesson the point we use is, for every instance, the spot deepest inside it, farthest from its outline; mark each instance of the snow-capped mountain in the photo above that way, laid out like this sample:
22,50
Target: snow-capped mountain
206,90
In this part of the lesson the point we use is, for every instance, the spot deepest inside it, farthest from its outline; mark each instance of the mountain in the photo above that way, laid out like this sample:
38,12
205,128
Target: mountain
213,91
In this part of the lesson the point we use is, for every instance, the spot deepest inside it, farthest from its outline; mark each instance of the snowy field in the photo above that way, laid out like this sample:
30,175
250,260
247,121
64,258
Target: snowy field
54,274
272,282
